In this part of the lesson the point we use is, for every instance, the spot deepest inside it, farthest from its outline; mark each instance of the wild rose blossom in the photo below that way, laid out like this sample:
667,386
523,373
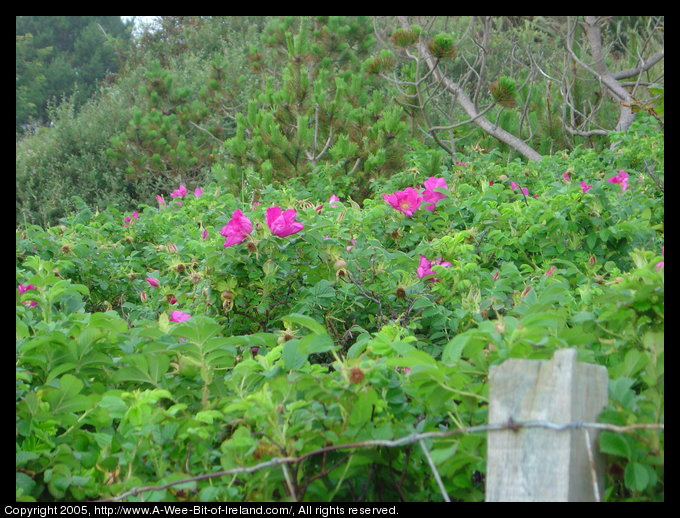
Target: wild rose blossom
204,234
567,176
282,223
514,186
198,191
179,316
407,201
153,282
333,201
621,178
23,288
181,192
425,267
128,219
430,196
237,229
585,187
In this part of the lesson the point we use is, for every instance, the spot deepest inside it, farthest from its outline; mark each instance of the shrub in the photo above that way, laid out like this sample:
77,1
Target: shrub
333,332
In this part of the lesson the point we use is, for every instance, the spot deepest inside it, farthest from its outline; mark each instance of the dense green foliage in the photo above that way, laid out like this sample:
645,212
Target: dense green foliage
63,56
169,325
299,342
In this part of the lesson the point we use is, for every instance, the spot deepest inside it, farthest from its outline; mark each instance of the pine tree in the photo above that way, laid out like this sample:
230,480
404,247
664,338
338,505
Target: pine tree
175,133
325,118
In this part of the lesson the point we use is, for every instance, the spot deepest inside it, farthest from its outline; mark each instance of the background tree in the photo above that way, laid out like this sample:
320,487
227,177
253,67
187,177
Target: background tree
534,84
62,56
192,85
321,117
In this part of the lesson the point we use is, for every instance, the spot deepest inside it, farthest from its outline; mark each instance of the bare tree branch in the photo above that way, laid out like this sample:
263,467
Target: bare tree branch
468,105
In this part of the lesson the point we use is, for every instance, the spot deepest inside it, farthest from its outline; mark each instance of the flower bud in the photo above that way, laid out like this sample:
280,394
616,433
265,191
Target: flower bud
356,375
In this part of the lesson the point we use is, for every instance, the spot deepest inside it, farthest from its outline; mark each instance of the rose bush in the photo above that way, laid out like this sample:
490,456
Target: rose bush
155,350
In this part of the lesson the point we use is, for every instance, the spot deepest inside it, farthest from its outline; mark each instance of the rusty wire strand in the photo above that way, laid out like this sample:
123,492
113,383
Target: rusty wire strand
512,425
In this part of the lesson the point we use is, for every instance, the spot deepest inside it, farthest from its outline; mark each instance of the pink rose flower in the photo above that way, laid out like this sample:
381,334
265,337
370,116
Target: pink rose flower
153,282
621,178
425,267
237,229
407,201
585,187
179,316
282,223
430,196
23,288
181,192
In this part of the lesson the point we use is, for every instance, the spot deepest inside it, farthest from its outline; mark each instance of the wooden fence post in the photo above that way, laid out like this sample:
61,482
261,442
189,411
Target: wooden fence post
541,464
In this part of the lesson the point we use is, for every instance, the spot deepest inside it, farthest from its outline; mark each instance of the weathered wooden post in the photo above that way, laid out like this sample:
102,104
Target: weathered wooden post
542,464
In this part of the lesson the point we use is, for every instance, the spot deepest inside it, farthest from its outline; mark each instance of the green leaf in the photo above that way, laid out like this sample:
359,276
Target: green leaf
207,416
146,369
198,329
114,405
362,408
315,344
292,358
453,350
67,399
638,476
305,321
615,444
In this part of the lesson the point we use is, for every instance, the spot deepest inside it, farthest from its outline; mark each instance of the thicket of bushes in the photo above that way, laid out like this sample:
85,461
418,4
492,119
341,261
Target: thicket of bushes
236,278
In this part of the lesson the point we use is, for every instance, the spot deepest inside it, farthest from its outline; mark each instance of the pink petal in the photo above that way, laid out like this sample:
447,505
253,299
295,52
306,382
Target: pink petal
179,316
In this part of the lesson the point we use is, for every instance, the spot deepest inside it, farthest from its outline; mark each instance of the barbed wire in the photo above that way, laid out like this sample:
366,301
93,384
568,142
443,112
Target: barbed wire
392,443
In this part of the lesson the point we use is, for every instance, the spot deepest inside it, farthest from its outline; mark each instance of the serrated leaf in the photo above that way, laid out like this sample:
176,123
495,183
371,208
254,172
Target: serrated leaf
615,444
637,476
315,344
305,321
292,358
